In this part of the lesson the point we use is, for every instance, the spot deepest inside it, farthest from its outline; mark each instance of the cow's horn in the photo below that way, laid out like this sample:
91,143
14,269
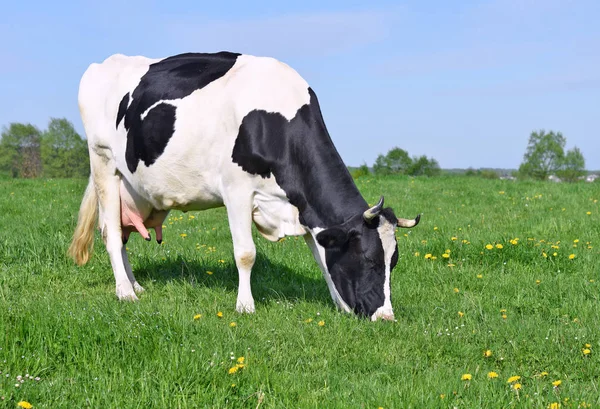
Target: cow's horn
368,215
408,223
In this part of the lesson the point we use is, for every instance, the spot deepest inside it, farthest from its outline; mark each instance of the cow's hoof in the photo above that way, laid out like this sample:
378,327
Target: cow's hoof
126,294
245,307
138,288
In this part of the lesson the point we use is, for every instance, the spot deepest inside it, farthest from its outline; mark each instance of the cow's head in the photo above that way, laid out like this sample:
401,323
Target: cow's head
360,255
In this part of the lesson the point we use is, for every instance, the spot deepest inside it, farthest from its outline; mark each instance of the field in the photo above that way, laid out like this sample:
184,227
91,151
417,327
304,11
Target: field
499,278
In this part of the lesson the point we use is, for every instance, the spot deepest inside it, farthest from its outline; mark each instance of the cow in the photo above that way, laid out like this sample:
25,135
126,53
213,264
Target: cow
202,130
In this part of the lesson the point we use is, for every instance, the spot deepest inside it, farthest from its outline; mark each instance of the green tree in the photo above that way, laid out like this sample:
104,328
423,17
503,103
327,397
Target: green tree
544,155
573,166
362,170
423,166
394,162
64,152
20,150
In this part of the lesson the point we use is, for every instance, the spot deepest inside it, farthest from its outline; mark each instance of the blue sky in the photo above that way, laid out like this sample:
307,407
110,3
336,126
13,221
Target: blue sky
464,82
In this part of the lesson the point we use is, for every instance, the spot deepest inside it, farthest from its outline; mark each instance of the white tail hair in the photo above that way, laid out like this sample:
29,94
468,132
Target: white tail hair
83,239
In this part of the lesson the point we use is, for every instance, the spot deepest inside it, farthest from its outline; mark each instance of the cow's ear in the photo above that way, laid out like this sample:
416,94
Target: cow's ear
332,237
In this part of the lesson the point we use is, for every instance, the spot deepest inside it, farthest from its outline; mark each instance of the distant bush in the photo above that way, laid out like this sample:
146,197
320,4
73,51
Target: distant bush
361,171
398,162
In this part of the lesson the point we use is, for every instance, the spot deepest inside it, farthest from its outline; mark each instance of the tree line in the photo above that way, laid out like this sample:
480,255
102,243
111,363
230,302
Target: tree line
56,152
544,157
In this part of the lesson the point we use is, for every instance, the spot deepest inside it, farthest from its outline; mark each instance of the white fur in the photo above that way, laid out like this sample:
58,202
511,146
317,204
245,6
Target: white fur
387,235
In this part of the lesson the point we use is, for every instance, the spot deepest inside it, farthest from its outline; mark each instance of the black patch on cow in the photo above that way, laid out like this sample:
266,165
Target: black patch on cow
122,108
172,78
301,156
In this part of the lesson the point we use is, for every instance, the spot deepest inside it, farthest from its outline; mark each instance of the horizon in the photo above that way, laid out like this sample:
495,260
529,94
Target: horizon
464,83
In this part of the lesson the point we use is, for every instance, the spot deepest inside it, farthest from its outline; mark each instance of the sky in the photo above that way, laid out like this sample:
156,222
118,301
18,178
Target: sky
464,82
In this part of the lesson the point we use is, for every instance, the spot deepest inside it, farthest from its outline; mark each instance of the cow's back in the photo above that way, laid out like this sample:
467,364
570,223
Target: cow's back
194,159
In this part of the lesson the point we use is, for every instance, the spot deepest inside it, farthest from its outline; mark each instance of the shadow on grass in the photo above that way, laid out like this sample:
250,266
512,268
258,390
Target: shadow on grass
270,281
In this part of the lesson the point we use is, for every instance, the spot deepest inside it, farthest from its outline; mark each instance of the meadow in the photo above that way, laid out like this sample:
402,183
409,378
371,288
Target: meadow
496,296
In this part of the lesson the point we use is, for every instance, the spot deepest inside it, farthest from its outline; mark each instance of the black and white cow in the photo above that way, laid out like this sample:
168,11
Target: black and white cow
197,131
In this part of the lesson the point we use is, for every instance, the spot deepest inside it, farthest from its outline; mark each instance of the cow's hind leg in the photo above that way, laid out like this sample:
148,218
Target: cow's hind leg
107,181
239,213
136,286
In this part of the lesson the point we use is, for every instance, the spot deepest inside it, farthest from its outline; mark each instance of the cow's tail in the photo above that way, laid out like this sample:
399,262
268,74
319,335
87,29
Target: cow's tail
83,239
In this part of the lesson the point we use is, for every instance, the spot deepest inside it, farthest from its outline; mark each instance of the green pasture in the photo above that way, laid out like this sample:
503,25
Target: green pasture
511,268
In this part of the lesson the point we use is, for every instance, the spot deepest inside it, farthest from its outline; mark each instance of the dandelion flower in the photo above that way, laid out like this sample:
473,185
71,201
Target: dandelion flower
576,241
321,323
489,246
417,254
571,256
428,255
504,316
220,314
308,320
24,404
538,282
544,374
492,375
209,273
516,386
454,238
241,360
466,377
233,370
556,383
446,255
588,345
461,314
513,379
232,324
456,290
197,316
499,246
555,254
479,275
487,353
183,235
554,405
588,213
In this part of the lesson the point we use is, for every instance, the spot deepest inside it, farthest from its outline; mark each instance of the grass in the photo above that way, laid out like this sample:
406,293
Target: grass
63,324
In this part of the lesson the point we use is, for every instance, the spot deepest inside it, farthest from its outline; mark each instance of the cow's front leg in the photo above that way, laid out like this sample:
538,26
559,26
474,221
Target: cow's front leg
240,223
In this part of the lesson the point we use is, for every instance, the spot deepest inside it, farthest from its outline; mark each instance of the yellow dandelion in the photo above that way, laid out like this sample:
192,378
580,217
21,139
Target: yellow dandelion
442,396
499,246
514,242
544,373
466,377
492,375
24,404
221,261
576,241
588,213
232,324
489,246
446,255
434,257
544,254
321,323
555,254
209,273
456,290
417,254
487,353
428,255
308,320
588,345
183,235
240,366
516,386
220,314
451,265
556,383
461,314
504,316
197,316
554,405
453,238
233,370
435,228
479,275
571,256
241,360
501,192
512,379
